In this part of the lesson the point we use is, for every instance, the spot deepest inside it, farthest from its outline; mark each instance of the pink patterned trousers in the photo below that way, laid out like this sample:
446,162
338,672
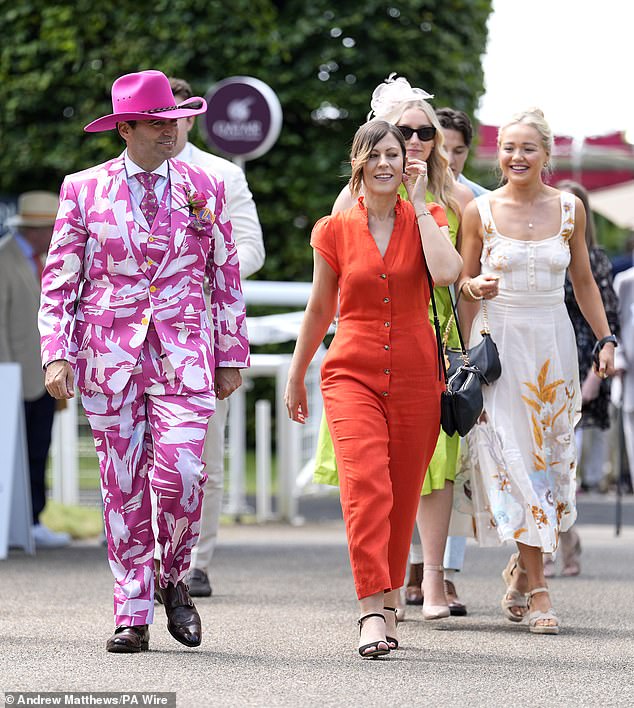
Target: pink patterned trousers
150,434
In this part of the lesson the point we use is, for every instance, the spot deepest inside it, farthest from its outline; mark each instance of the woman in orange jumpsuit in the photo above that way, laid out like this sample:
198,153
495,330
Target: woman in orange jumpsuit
380,379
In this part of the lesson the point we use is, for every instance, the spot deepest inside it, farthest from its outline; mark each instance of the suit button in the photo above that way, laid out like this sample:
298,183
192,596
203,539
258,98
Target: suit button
150,261
153,288
386,300
387,324
386,347
386,371
144,321
383,276
151,239
384,393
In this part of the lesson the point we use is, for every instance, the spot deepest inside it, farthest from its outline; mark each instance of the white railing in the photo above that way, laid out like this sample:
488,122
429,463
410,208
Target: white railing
295,444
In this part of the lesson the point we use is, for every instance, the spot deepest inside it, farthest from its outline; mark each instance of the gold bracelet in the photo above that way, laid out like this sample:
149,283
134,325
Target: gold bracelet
423,213
474,297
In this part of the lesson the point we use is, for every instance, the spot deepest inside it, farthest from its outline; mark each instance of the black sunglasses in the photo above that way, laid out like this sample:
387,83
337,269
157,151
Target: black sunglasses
425,133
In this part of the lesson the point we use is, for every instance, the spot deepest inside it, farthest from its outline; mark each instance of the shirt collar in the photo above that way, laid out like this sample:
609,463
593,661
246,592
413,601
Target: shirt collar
132,168
24,245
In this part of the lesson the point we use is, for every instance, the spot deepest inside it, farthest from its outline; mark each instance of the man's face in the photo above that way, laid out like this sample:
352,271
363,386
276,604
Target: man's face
456,150
39,237
184,126
150,142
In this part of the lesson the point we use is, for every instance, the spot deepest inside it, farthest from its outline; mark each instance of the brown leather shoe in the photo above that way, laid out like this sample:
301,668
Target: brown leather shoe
129,640
414,591
456,608
183,620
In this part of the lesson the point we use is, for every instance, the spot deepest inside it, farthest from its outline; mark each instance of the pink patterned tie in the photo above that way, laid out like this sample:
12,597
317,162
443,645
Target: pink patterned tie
149,203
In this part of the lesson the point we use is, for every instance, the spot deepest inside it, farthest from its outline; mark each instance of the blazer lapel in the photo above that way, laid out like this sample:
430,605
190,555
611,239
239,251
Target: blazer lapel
118,195
179,209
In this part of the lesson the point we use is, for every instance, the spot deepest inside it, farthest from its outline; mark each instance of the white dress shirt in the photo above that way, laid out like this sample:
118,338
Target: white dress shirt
137,190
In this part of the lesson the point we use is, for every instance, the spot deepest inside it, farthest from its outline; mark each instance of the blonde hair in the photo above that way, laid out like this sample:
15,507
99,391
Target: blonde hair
440,177
534,117
366,137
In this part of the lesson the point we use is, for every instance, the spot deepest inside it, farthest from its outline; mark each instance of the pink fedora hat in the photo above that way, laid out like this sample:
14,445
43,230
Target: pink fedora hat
145,95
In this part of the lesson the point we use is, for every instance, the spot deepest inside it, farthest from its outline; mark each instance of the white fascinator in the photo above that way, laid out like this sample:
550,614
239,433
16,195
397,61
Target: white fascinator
391,93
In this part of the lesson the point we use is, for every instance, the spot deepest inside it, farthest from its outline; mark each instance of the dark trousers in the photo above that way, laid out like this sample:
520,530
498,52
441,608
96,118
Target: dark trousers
39,423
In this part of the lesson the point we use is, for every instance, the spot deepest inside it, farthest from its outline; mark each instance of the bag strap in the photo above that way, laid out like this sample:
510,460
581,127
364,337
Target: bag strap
442,367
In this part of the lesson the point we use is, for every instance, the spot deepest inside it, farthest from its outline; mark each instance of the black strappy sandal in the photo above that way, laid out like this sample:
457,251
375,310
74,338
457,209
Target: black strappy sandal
374,647
392,642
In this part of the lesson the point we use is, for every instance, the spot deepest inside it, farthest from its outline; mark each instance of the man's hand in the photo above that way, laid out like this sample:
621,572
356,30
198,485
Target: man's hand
226,381
59,380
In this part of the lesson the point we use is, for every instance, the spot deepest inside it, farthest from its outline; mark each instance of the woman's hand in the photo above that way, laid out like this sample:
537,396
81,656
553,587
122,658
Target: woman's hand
415,181
606,361
482,287
296,400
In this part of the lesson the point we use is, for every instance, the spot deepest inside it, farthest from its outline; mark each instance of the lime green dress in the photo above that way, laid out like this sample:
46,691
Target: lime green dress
442,466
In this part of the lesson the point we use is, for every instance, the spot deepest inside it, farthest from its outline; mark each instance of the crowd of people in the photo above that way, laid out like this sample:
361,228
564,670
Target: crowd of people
517,246
141,309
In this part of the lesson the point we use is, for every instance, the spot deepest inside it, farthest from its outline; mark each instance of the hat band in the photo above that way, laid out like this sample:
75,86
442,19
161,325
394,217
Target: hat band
193,106
30,215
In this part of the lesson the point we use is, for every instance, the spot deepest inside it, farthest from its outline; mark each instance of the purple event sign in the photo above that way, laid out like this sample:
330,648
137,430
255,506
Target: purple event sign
244,117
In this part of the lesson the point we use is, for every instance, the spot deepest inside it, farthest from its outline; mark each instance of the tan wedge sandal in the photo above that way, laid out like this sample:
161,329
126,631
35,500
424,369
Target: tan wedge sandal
512,596
537,616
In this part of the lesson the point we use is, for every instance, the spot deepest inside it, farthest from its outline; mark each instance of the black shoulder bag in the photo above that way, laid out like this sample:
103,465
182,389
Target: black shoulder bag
484,355
461,403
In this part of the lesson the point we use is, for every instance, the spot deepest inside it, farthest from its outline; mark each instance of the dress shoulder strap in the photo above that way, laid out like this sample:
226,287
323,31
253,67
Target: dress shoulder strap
567,215
484,207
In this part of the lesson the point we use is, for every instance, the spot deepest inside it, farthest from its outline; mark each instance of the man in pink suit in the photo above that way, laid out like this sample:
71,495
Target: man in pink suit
123,314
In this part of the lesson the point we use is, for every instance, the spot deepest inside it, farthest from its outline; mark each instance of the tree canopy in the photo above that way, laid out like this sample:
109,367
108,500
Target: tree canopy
322,58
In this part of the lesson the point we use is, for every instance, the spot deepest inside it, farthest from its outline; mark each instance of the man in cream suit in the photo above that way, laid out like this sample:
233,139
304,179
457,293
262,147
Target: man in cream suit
21,264
247,235
123,313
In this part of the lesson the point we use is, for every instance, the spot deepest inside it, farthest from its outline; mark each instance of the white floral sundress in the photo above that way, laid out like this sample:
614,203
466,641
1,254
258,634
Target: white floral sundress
522,460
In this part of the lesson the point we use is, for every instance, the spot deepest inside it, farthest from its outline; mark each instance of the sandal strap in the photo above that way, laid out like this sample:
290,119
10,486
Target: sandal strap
534,591
362,619
538,616
394,610
514,598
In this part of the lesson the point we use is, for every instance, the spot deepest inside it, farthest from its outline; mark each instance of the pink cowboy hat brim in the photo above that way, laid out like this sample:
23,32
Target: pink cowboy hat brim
109,122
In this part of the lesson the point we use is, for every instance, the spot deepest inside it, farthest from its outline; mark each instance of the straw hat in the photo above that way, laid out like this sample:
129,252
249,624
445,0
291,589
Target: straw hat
35,209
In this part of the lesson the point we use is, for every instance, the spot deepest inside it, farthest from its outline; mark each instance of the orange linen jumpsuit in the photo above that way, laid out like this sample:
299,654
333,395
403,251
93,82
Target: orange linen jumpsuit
380,387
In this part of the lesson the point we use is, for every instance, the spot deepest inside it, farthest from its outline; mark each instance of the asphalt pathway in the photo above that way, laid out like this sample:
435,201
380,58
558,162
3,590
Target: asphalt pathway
280,630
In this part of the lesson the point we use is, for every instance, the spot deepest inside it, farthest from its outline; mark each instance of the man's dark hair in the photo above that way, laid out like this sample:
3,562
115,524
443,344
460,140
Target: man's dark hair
451,119
180,87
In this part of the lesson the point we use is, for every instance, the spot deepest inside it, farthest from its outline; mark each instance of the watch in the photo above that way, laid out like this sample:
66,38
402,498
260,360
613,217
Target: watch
605,340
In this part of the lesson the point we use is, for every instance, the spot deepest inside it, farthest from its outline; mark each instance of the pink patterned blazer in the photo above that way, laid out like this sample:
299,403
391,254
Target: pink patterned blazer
99,294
